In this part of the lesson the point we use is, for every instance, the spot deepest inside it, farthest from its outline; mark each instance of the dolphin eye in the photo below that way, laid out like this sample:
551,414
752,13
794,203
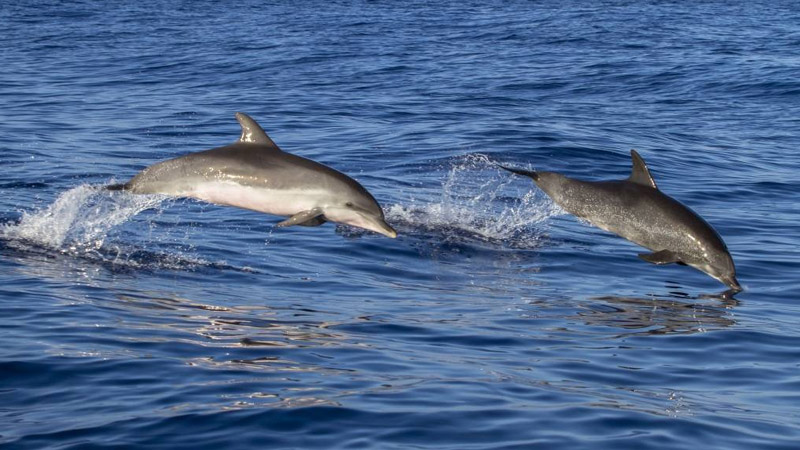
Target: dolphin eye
349,204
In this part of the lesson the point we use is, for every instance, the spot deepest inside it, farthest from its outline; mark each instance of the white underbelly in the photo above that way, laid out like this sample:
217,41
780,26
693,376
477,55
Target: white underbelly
281,202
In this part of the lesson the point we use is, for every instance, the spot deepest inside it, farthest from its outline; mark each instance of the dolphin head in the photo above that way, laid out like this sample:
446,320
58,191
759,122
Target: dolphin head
359,210
719,265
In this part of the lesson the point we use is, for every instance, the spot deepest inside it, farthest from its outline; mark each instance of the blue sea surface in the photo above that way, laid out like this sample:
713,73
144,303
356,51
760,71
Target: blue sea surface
494,321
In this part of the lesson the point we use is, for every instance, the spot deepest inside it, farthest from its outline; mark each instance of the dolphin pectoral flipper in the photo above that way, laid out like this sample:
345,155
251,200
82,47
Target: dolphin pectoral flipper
307,218
661,257
315,222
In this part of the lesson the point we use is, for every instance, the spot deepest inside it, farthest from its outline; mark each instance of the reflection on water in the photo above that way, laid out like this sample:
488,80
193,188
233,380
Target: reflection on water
269,343
251,326
660,316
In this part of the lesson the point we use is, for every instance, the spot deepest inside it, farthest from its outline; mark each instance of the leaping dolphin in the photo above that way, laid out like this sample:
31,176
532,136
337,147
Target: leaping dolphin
254,173
638,211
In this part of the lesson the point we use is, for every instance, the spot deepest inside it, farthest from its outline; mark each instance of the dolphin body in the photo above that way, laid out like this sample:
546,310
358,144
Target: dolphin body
254,173
638,211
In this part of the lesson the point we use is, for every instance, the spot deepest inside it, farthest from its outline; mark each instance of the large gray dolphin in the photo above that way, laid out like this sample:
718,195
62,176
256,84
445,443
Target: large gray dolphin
254,173
638,211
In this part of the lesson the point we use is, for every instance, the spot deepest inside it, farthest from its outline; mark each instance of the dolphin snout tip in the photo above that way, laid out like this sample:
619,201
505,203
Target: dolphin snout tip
733,283
378,225
389,232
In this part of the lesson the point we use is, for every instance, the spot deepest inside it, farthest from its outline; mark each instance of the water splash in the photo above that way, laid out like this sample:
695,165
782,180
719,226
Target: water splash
474,206
81,223
79,220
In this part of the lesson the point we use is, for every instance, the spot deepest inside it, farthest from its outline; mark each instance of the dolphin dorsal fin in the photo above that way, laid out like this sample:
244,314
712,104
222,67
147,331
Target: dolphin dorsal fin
639,173
252,133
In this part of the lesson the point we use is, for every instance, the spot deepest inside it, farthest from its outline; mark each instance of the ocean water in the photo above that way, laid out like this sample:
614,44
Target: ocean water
493,321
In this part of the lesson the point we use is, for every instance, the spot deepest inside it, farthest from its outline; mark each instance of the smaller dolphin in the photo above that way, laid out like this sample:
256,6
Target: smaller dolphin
254,173
638,211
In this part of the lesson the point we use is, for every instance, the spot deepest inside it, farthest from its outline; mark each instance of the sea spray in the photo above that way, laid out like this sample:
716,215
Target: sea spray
474,204
79,219
81,223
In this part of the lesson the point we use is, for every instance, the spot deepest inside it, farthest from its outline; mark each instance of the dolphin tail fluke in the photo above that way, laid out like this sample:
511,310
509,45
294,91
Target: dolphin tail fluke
116,187
527,173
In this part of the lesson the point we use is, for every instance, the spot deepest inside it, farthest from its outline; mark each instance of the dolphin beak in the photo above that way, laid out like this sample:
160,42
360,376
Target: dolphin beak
374,223
386,230
733,283
379,225
367,220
